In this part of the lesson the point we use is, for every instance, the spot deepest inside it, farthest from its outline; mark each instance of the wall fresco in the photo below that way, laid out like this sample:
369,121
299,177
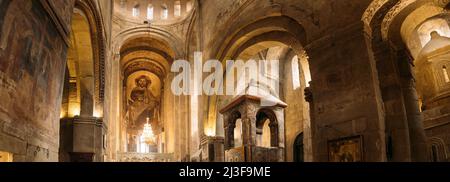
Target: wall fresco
32,62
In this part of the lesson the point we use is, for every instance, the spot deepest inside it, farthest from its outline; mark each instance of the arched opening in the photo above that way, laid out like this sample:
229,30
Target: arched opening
285,69
235,131
164,12
82,99
150,11
417,35
150,127
437,150
136,11
238,133
298,149
266,129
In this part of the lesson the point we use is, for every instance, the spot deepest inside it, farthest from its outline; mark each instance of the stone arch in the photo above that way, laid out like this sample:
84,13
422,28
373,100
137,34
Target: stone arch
234,116
265,32
263,116
438,150
88,47
385,33
84,85
257,28
150,32
150,49
98,44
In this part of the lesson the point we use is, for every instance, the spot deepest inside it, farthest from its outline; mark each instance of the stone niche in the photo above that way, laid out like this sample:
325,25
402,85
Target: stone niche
82,139
258,117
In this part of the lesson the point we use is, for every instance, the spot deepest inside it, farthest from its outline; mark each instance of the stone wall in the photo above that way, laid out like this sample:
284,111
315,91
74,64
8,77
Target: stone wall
32,65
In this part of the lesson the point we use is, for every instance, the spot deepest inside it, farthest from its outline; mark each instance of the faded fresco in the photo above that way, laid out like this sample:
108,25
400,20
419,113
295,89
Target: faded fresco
32,60
64,10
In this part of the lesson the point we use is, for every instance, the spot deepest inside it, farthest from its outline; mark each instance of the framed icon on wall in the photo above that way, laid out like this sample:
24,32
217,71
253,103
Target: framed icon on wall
349,149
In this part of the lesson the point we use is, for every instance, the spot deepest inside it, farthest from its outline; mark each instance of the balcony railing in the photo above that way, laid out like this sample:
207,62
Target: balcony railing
145,157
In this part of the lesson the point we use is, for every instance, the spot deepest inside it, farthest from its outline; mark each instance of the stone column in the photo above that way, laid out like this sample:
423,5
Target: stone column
308,130
86,95
347,99
397,132
415,118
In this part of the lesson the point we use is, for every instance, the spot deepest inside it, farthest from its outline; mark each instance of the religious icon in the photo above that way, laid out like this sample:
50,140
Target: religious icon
345,150
141,100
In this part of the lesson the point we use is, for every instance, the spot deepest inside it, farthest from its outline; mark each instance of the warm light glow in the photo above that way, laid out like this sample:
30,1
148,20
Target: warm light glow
74,112
439,25
210,132
189,5
6,157
446,77
136,11
266,135
150,12
164,12
305,69
147,134
98,114
295,73
238,133
177,8
62,115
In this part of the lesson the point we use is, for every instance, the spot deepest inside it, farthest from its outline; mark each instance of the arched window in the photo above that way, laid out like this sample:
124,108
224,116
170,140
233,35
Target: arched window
266,129
136,10
234,132
265,136
295,73
164,12
434,153
238,133
177,9
189,5
298,149
445,72
150,12
438,152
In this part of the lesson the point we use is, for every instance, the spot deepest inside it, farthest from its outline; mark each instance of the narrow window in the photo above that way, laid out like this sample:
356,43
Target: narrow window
164,12
446,77
189,5
150,12
177,10
136,10
295,73
238,133
434,153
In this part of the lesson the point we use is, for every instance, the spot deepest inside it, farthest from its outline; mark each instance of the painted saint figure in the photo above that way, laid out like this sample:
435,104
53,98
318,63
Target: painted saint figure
142,100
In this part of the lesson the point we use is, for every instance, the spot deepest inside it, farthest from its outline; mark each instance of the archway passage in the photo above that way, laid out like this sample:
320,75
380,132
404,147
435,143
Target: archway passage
277,41
409,41
298,149
148,125
82,131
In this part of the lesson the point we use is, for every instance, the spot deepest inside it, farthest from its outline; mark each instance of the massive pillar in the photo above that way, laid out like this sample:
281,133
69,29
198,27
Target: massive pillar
415,118
397,132
347,101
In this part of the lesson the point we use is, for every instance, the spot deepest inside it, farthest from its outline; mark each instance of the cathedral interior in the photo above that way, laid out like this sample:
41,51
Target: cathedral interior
358,81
